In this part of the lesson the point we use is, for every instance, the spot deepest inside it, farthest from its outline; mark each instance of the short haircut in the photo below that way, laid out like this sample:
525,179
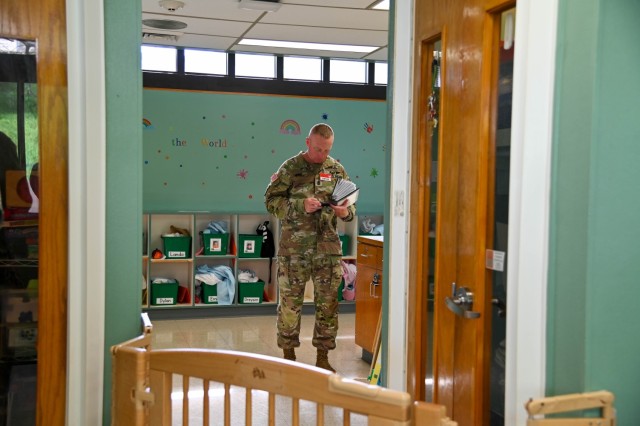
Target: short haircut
321,129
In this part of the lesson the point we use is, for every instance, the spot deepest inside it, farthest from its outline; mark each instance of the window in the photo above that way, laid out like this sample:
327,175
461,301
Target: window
205,62
156,58
299,68
255,65
382,73
348,71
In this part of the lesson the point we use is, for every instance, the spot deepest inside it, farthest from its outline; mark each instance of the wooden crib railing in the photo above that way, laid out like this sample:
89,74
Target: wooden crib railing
238,387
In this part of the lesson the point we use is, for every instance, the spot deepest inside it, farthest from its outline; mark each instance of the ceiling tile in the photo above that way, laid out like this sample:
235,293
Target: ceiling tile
379,55
317,35
329,17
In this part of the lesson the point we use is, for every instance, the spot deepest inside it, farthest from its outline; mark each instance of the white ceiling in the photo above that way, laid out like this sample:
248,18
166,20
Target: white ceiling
221,24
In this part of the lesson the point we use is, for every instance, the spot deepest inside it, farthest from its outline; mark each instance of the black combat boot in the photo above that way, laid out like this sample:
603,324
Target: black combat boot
290,354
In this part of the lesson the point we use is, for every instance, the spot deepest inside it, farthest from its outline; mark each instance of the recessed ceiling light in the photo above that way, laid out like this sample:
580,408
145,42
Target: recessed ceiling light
382,5
261,5
309,46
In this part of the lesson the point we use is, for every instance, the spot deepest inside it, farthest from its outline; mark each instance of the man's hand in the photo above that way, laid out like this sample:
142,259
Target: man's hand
312,205
341,210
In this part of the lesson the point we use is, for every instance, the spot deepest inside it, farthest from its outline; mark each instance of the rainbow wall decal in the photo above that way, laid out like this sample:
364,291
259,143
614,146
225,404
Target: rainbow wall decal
146,123
290,127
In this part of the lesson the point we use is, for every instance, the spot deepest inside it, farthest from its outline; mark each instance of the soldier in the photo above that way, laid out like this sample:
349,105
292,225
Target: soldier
299,195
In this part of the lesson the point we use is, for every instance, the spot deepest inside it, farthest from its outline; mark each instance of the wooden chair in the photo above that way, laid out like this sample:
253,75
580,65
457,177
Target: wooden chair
602,400
241,387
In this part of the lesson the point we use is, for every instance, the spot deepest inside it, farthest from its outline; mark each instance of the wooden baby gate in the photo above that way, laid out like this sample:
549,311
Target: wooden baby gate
571,403
143,387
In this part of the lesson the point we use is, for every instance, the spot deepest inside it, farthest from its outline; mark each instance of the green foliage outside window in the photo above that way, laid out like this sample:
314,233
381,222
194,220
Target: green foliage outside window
9,118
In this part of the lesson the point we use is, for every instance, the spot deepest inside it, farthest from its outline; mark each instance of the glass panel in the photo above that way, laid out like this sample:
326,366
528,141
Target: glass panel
297,68
18,231
252,65
348,71
155,58
382,71
502,153
433,112
205,62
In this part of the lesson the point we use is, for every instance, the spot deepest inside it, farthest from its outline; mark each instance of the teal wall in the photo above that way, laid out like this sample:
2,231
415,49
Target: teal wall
217,151
594,262
124,179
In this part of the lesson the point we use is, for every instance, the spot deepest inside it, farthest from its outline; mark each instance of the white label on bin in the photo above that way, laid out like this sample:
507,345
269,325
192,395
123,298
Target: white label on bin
177,254
212,299
164,301
251,300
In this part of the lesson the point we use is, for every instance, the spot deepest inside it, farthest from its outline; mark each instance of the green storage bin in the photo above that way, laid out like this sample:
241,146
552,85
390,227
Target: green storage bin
215,244
209,294
250,293
249,245
177,247
164,293
344,243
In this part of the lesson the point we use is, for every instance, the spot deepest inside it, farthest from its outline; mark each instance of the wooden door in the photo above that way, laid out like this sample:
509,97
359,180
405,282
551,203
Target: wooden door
462,123
44,22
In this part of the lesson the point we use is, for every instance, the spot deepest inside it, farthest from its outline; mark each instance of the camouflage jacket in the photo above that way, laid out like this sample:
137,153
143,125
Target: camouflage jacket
300,231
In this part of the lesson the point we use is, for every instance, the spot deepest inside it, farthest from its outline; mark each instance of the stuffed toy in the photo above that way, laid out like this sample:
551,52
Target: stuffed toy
268,246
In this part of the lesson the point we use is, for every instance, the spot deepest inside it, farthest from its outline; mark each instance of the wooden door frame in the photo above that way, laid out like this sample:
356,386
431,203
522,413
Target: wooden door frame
45,22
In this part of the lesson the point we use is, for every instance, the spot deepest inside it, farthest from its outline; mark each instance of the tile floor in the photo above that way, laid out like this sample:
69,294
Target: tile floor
257,334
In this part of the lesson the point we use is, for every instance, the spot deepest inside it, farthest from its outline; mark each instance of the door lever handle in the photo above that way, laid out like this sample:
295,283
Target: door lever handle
461,302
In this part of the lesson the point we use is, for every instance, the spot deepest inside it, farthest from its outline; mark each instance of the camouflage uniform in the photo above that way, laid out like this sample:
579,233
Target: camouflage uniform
309,247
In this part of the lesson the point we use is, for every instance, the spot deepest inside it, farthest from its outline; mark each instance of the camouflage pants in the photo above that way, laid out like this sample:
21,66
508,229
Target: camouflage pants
293,274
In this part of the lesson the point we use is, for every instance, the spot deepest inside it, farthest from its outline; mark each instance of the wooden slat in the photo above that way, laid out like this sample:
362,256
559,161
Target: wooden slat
320,414
227,404
185,400
205,403
272,409
295,407
248,418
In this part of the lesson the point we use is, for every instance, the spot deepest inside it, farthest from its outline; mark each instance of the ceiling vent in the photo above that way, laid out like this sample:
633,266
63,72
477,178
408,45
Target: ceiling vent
160,37
261,5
